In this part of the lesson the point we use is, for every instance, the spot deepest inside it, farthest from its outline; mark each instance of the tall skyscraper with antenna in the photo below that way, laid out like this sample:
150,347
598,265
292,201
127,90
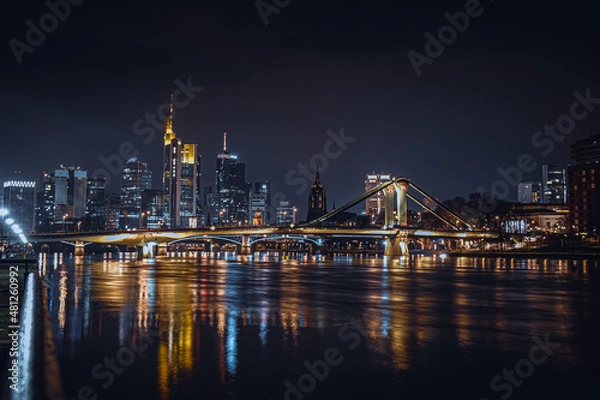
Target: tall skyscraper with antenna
231,189
181,172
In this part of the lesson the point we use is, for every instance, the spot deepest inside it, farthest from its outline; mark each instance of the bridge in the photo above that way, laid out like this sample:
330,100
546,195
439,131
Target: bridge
395,230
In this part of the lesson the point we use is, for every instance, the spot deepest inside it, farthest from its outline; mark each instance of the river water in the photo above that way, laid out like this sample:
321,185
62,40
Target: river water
233,328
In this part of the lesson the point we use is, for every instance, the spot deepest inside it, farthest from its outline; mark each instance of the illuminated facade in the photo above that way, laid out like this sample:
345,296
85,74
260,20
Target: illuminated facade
19,199
286,214
376,203
317,201
231,190
181,179
135,178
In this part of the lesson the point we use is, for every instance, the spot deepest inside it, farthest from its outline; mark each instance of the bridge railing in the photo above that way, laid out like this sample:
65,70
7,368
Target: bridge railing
38,375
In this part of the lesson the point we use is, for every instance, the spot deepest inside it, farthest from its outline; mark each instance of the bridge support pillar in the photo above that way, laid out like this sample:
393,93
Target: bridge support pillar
162,250
401,203
79,249
396,246
246,247
389,206
148,250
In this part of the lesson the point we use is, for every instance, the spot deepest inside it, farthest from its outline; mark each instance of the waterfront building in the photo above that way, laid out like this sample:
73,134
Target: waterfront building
583,193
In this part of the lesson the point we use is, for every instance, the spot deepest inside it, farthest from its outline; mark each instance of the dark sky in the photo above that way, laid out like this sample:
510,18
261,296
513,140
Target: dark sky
278,89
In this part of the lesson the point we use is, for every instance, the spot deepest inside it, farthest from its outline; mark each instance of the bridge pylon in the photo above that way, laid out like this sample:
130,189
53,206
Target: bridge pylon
79,249
396,214
162,250
246,247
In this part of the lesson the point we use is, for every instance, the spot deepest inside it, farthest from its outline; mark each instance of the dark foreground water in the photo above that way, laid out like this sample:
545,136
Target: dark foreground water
341,329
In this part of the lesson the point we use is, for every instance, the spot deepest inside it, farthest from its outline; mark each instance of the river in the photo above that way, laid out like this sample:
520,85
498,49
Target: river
238,328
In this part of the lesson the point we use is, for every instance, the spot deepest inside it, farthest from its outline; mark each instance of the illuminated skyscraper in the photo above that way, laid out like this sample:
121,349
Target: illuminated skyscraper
136,178
376,203
317,201
231,190
44,215
19,199
95,213
181,178
70,193
554,186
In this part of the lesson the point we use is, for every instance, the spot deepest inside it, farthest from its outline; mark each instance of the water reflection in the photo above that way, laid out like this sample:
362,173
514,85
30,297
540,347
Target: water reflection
229,329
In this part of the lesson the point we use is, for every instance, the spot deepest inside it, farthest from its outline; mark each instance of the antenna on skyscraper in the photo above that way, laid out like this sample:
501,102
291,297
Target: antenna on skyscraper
224,141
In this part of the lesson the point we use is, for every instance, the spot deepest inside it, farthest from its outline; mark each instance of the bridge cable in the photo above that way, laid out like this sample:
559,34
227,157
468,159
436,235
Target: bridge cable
440,205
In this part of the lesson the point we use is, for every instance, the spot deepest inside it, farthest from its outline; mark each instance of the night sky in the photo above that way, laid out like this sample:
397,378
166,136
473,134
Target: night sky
278,89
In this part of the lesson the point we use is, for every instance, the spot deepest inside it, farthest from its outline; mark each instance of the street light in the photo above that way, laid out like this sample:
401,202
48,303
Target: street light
3,213
64,222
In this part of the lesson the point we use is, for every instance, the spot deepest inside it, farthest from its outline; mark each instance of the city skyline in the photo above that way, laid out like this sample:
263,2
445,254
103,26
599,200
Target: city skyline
261,88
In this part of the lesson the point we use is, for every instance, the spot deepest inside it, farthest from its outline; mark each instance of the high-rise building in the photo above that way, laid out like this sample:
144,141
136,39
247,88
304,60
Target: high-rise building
211,207
231,189
181,178
135,178
152,209
376,203
317,200
260,204
583,193
554,185
95,213
529,193
286,213
19,200
113,208
70,192
44,214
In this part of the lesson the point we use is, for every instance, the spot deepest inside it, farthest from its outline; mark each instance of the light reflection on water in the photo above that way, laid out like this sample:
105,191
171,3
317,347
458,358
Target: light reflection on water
238,329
